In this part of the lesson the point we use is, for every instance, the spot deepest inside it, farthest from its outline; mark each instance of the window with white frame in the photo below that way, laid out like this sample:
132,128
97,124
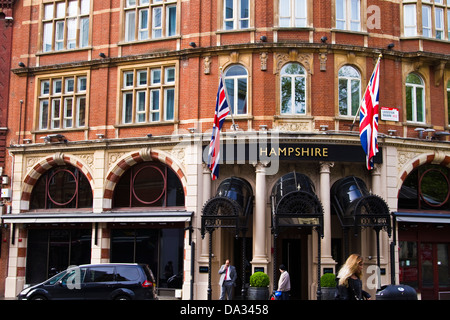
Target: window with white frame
415,98
236,14
349,90
293,13
426,21
148,94
150,19
434,13
236,83
409,20
292,89
65,25
348,15
448,102
62,102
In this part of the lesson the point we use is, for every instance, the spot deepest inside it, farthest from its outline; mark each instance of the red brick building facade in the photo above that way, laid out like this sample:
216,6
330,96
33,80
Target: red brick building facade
102,87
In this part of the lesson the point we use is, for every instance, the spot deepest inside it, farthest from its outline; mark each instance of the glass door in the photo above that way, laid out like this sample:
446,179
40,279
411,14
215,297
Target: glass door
435,273
443,270
427,266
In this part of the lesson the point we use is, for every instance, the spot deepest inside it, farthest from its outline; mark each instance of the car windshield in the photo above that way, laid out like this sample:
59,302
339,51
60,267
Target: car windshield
56,278
69,274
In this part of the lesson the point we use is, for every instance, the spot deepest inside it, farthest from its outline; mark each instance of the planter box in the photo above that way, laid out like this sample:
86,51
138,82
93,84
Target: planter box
328,293
258,293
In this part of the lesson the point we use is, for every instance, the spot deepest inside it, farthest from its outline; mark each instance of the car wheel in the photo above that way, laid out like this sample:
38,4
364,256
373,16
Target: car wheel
122,297
38,297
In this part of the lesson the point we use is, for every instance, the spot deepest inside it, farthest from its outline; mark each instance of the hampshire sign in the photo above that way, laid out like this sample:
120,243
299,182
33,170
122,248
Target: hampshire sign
239,153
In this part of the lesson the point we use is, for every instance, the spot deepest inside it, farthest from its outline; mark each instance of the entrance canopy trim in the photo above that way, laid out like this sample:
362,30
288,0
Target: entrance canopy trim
422,217
154,216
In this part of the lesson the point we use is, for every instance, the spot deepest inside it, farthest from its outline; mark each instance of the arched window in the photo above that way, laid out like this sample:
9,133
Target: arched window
349,90
427,187
236,82
293,89
148,184
415,98
61,187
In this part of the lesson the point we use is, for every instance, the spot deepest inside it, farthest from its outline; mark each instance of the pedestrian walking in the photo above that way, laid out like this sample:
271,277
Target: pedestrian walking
349,280
284,283
227,280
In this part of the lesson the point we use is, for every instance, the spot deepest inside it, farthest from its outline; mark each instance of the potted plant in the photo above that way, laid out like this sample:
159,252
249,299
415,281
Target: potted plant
328,286
259,286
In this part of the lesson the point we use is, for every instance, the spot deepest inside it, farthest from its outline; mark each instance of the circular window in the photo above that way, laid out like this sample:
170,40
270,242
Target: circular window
434,187
62,187
148,184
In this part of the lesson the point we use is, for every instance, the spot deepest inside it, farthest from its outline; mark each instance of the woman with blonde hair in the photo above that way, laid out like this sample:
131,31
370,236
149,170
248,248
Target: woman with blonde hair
349,280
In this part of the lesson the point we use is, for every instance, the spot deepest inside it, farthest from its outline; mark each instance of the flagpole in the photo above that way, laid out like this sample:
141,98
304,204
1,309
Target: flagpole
226,95
360,102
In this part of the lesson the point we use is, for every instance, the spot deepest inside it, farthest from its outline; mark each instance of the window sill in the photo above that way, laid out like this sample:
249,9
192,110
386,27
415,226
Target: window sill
42,53
235,31
52,131
293,29
423,38
345,118
125,43
293,117
361,33
417,124
145,124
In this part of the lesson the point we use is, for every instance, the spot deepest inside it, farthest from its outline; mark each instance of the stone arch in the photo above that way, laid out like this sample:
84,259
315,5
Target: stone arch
129,160
57,159
438,157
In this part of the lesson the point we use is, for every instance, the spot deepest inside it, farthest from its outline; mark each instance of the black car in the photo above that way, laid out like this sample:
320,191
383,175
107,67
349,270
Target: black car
96,282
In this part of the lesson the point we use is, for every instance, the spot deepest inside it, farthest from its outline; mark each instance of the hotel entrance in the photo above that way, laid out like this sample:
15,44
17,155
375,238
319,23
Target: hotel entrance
293,253
296,211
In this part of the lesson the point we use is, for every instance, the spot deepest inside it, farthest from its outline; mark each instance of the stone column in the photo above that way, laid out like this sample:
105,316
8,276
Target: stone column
325,169
206,195
259,219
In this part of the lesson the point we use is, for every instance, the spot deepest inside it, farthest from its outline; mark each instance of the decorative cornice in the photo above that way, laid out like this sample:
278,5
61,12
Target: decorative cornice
216,50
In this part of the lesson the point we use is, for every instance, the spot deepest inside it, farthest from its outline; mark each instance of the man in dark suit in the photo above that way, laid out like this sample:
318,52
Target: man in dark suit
227,281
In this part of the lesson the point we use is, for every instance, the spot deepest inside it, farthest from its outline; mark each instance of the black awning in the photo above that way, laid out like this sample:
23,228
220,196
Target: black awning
298,209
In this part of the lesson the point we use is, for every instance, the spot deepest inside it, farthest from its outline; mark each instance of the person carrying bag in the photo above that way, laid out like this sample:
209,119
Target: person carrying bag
349,284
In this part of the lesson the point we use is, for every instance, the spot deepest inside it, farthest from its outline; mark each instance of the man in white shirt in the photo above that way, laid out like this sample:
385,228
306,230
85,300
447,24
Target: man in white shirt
227,280
284,283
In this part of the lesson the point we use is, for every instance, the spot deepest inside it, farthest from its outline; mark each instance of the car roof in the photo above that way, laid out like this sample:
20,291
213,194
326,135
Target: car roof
110,264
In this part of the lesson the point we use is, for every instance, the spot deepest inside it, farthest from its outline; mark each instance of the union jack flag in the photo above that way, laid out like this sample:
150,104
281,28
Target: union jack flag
368,117
222,110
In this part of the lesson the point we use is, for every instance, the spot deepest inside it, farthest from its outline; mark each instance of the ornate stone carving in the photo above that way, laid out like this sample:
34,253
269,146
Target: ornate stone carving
58,157
300,126
263,57
146,154
305,59
87,158
113,157
207,65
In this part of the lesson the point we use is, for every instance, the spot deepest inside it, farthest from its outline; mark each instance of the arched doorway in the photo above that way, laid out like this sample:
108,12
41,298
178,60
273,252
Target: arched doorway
150,186
53,247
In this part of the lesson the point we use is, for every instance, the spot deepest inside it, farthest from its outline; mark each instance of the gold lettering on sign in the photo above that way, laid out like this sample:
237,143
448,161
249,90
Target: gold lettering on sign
294,152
